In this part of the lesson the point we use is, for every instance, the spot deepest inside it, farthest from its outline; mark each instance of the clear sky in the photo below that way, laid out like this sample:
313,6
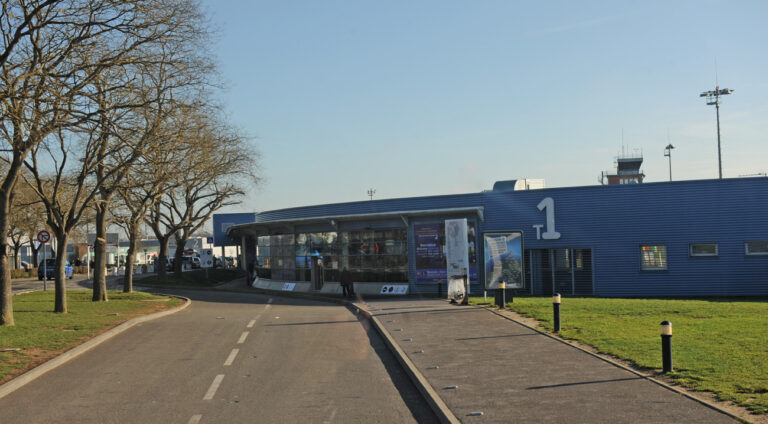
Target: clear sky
417,98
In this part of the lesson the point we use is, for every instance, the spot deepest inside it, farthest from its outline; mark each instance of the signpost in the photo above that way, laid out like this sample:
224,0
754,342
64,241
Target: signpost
43,237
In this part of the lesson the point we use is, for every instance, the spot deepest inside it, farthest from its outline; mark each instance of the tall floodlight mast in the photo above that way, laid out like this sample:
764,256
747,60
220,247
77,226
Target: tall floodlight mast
713,98
668,153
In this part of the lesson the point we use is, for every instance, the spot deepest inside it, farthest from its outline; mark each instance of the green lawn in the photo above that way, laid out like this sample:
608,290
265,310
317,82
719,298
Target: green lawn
197,278
718,345
40,334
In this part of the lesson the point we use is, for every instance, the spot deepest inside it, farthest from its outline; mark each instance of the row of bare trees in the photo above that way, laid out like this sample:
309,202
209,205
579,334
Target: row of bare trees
107,114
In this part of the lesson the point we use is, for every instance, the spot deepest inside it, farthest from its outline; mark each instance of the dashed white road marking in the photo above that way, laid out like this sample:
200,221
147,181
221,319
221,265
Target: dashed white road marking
231,357
214,386
250,324
242,338
195,419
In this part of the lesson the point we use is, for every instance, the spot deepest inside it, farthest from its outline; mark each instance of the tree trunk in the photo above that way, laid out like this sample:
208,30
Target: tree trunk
162,256
61,278
16,258
35,254
133,241
100,255
6,199
178,258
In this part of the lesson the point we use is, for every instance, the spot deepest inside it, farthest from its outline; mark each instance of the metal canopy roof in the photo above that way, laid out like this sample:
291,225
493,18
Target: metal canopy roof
262,228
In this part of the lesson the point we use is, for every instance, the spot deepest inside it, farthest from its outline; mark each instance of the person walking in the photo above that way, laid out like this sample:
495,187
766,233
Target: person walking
345,279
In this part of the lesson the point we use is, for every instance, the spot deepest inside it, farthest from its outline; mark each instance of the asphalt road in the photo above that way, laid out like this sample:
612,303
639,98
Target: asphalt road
229,358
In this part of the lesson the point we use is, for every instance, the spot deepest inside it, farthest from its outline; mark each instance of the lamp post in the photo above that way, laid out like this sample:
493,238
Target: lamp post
668,153
713,98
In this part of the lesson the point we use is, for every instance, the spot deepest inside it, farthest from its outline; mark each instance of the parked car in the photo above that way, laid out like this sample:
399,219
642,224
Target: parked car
26,266
49,270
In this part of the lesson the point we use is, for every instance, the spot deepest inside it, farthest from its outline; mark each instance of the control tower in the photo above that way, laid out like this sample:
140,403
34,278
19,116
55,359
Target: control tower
627,170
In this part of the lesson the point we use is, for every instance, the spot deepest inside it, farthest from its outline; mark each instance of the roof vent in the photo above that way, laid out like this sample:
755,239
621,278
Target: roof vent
522,184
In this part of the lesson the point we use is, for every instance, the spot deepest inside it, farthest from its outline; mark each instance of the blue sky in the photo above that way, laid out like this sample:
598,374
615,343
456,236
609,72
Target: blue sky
419,98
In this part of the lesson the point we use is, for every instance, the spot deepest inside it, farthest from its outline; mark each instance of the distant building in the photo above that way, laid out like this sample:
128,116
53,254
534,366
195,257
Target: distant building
627,170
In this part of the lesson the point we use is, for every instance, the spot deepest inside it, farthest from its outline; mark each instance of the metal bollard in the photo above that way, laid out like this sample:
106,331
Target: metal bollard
556,311
503,289
666,345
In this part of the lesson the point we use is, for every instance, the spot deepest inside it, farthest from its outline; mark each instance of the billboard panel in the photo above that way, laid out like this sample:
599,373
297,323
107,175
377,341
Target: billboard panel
503,259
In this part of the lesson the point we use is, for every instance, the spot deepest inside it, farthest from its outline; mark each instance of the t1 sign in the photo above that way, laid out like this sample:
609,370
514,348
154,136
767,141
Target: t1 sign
547,204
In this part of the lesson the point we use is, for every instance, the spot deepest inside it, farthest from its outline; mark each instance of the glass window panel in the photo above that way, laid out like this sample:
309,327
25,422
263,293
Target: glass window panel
703,249
653,257
756,247
354,261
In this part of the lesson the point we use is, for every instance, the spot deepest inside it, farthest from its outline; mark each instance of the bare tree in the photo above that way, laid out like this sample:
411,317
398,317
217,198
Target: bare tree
46,83
151,177
219,166
133,105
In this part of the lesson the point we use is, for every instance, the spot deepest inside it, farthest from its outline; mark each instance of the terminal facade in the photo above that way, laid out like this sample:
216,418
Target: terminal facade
684,238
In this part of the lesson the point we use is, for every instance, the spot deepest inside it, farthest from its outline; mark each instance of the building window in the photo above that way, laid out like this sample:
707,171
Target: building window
703,249
653,257
756,248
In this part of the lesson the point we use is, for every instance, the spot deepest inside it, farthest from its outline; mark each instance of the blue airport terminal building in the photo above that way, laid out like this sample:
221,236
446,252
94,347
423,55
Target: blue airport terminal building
684,238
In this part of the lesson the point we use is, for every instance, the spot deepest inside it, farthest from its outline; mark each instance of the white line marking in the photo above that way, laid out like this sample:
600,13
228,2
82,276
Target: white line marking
250,324
242,337
231,357
214,386
195,419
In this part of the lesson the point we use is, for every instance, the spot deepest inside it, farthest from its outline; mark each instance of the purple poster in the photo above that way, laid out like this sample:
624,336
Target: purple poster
429,240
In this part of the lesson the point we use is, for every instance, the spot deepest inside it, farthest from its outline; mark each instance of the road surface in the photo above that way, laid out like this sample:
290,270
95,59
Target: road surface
230,358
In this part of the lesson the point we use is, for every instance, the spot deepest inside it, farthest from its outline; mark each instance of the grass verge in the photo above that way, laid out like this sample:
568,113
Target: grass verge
718,345
197,278
40,334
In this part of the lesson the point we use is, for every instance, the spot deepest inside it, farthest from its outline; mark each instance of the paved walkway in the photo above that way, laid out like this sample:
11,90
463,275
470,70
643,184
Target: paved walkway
513,374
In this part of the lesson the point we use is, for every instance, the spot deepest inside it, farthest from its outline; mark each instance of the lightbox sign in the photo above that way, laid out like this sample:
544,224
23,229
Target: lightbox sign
430,251
503,259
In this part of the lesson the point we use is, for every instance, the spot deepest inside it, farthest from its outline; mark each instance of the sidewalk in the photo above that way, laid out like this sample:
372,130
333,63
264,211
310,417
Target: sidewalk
510,373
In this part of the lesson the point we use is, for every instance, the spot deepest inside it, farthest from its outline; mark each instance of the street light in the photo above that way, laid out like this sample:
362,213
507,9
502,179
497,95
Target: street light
668,153
713,98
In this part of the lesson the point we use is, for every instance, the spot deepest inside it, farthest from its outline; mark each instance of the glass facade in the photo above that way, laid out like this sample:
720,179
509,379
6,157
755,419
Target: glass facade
370,255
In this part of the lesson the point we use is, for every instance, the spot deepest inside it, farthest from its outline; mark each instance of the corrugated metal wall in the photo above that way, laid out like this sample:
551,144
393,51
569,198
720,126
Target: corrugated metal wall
614,221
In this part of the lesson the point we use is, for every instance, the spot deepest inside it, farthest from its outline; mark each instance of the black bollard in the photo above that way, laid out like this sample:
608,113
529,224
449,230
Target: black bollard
556,311
666,345
503,290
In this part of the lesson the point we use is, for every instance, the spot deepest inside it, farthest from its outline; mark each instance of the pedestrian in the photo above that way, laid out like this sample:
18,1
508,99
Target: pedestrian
345,279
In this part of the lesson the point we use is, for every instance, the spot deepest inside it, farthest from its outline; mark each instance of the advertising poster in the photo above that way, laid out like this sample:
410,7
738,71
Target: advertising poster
430,262
430,250
504,259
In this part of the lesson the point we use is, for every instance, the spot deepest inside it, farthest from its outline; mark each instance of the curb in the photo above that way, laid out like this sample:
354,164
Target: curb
444,414
76,351
619,365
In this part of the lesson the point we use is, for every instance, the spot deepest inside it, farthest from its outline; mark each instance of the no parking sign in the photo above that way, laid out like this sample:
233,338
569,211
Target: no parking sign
43,236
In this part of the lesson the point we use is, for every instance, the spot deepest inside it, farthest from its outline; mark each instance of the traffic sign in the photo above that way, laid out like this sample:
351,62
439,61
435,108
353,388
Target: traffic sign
43,236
